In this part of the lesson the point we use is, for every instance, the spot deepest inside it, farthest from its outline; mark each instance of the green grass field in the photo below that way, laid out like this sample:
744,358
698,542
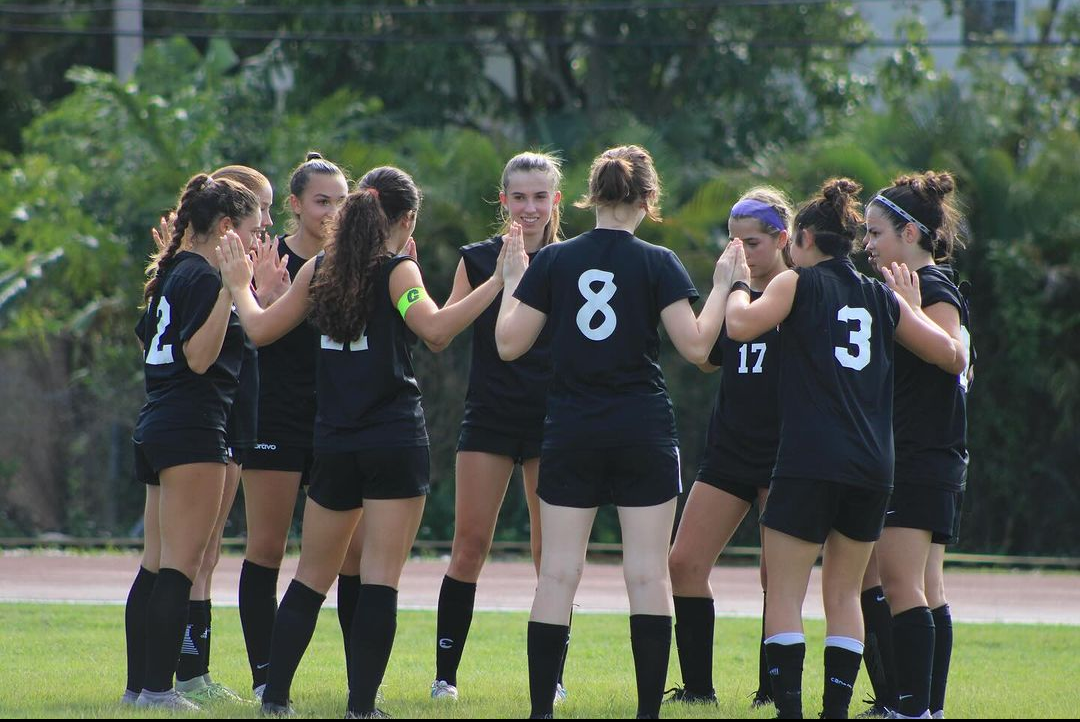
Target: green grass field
62,661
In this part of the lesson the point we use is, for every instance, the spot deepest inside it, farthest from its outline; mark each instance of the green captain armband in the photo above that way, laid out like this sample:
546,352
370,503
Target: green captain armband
413,295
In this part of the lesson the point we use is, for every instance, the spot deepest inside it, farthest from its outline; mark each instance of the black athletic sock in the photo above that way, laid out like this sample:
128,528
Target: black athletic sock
943,639
348,591
546,643
785,673
841,669
878,652
566,649
650,639
135,627
166,618
764,686
372,640
293,627
695,618
456,602
913,640
258,606
194,652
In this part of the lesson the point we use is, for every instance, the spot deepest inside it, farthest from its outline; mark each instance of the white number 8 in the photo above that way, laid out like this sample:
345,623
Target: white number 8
859,338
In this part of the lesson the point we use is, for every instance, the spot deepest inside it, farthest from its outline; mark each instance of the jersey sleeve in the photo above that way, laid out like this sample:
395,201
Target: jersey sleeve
535,287
673,283
478,265
936,289
193,303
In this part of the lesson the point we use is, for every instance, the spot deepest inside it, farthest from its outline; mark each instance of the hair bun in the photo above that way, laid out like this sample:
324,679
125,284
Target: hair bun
313,155
939,184
839,190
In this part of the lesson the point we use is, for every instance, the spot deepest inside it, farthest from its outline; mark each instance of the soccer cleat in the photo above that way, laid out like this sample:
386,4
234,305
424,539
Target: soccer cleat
273,709
129,698
940,714
560,693
213,693
681,694
373,714
257,692
170,700
441,689
761,699
876,710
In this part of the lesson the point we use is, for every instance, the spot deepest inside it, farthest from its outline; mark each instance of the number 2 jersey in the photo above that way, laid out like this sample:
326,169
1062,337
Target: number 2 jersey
744,428
836,378
930,418
368,396
603,292
177,398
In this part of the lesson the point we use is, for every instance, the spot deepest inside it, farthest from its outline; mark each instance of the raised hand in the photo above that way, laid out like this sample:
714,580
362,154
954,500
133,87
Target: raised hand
512,260
163,234
271,271
409,249
731,266
904,282
235,266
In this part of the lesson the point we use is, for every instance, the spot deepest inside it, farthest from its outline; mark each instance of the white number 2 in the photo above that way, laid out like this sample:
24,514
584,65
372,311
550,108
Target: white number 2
159,353
859,338
757,348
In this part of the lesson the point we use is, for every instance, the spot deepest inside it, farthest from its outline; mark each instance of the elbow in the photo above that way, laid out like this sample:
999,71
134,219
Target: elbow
736,331
199,366
436,346
507,351
698,356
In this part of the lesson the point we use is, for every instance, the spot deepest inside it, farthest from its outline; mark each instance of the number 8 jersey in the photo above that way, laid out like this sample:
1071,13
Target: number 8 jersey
177,398
603,293
836,378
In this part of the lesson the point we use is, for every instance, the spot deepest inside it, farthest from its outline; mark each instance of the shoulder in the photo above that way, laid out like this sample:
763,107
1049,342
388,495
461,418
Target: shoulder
491,245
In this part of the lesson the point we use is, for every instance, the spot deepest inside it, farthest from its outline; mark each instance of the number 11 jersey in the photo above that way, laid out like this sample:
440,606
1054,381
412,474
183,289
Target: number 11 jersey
836,378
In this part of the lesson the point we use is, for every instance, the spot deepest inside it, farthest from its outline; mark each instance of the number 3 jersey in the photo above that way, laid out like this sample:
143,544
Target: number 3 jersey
603,293
177,398
836,378
368,396
744,428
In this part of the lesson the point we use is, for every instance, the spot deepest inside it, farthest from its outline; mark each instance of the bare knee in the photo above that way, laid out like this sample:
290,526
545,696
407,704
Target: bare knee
468,557
686,571
264,551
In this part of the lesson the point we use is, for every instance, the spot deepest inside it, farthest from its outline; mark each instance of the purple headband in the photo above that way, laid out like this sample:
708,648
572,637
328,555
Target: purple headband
749,208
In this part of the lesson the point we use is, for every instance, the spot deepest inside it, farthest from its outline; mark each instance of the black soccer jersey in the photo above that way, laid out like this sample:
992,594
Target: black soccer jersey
287,379
836,378
745,426
507,397
930,416
177,398
603,293
243,418
368,396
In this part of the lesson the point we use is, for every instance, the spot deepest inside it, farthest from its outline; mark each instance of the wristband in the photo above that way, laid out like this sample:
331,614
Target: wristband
741,286
413,295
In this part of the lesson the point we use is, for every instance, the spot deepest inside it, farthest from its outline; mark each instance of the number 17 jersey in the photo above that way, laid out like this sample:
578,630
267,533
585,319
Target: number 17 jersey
836,378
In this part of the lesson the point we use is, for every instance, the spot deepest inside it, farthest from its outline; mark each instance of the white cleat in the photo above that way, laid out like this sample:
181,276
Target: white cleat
441,689
171,700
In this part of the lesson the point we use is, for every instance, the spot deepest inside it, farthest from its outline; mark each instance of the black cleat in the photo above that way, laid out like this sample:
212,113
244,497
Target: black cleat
682,694
761,699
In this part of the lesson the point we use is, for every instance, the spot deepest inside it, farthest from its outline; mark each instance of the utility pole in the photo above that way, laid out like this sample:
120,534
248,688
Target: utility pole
128,41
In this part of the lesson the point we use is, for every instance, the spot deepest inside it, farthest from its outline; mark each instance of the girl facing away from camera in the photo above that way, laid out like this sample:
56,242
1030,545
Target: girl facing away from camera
609,436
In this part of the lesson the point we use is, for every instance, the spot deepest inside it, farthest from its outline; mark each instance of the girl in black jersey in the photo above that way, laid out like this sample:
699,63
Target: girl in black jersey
366,297
282,456
609,435
504,411
914,222
834,466
193,678
192,358
739,454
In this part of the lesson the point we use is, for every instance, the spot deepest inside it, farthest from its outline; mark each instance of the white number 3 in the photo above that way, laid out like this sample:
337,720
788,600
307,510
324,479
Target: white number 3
859,338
